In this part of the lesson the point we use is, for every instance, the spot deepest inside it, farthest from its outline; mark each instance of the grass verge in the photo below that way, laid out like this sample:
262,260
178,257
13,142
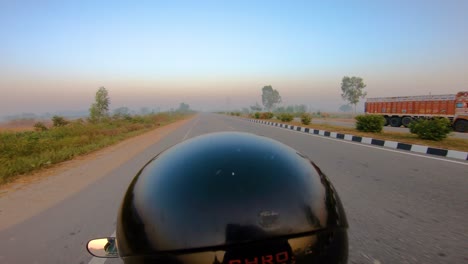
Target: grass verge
28,151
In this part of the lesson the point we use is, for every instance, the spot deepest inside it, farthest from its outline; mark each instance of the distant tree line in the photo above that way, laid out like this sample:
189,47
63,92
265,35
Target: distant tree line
99,112
352,91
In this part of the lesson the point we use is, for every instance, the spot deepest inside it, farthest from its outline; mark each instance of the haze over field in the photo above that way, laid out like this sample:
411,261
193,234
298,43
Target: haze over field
218,55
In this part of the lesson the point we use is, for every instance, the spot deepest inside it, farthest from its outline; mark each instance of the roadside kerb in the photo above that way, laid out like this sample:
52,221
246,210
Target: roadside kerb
454,154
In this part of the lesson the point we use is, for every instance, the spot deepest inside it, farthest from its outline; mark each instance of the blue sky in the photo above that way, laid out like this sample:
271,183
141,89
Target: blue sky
202,53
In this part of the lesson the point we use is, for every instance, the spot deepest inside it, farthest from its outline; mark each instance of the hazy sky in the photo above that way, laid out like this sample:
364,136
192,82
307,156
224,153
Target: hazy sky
54,55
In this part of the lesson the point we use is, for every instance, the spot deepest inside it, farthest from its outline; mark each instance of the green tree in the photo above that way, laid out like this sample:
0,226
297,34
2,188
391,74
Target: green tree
100,108
270,97
352,88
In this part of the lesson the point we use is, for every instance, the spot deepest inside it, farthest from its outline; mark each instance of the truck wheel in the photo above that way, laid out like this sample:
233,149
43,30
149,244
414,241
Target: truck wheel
406,121
461,126
395,121
387,120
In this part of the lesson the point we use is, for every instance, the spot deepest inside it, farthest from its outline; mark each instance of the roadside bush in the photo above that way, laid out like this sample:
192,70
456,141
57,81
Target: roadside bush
266,115
59,121
39,126
257,115
431,129
285,117
306,118
370,123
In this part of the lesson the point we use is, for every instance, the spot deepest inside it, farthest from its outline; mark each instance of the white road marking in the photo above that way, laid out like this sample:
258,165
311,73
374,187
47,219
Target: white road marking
380,148
188,132
96,260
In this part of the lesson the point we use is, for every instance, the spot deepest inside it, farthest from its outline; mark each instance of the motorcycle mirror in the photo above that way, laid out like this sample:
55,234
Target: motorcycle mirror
103,247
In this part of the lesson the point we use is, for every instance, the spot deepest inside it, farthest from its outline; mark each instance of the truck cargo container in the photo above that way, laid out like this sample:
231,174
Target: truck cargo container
403,110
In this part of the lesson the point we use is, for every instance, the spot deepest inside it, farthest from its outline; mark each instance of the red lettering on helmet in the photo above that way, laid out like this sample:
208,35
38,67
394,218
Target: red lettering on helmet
282,257
255,261
267,259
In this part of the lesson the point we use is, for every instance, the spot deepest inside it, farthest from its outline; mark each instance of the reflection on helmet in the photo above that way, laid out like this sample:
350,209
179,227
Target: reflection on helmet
231,198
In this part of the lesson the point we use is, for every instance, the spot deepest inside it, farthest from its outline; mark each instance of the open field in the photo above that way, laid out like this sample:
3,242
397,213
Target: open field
21,125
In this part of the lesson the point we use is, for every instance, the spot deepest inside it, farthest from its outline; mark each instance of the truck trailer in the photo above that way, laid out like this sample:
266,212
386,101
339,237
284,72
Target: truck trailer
403,110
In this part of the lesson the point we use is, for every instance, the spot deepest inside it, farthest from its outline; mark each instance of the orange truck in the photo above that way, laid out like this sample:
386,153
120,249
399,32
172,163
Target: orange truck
403,110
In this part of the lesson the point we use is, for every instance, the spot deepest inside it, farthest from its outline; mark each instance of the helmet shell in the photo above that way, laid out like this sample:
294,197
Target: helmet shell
231,198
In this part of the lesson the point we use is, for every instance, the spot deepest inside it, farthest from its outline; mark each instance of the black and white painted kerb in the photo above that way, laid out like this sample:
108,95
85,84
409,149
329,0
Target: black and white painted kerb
372,141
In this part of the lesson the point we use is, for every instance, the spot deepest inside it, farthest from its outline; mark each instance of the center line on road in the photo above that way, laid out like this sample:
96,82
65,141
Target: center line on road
188,132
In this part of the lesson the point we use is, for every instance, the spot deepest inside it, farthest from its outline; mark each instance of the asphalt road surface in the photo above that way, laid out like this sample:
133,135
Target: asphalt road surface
402,207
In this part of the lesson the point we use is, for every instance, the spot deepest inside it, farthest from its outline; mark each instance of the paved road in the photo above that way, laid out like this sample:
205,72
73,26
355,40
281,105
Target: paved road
401,207
387,128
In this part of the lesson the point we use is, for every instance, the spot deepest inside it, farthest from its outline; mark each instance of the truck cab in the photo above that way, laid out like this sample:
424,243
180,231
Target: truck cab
460,122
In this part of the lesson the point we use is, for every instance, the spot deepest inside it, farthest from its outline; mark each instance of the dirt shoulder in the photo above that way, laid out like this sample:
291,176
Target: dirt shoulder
34,193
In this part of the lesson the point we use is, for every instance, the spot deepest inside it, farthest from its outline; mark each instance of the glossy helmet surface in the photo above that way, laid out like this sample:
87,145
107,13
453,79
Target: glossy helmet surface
233,198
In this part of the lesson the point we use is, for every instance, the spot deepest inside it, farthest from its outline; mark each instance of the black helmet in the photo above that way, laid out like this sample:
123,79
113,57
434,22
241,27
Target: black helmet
233,198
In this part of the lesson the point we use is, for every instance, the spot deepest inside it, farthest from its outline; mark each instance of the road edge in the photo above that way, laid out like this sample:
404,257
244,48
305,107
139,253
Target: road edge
454,154
22,200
